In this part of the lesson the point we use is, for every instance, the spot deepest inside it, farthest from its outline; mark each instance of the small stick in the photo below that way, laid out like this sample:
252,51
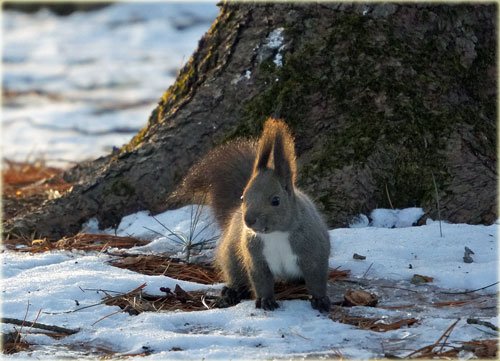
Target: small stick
474,321
388,196
447,333
448,330
111,314
75,310
438,206
99,290
465,292
41,326
99,303
399,288
431,347
367,270
152,230
36,319
24,318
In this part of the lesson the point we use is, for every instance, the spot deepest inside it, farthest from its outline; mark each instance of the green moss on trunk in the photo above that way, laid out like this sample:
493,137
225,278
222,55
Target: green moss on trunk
390,93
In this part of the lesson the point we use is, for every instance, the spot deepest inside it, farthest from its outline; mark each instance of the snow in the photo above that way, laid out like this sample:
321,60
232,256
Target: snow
275,38
275,41
54,281
91,72
391,251
390,218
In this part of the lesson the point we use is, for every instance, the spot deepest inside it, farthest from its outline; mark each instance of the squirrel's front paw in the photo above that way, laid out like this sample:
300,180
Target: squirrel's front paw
322,304
266,303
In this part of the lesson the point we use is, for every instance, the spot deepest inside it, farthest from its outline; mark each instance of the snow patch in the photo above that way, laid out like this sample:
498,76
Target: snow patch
388,218
247,75
275,41
171,232
399,253
395,218
275,38
359,221
182,221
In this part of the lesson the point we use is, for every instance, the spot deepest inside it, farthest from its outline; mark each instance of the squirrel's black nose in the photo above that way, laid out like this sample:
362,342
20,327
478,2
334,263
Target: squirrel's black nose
250,220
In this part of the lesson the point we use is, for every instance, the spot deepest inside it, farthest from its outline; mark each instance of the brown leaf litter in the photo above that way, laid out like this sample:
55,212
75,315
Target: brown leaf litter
12,342
442,349
27,185
171,267
81,242
137,301
372,323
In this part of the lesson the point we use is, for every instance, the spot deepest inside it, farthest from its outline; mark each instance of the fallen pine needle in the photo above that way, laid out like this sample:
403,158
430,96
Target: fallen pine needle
427,351
104,317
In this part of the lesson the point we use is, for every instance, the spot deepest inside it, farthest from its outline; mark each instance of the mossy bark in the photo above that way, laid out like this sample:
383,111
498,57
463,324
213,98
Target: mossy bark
381,98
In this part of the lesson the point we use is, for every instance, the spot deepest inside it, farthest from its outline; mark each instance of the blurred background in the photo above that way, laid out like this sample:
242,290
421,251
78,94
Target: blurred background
78,82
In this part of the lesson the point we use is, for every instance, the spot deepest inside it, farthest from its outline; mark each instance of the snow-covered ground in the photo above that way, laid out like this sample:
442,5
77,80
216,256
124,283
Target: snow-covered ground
57,282
74,87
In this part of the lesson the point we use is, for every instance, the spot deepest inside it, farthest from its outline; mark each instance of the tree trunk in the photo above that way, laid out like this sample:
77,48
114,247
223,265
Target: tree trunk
381,99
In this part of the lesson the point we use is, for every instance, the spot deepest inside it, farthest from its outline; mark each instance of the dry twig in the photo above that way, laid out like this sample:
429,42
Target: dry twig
41,326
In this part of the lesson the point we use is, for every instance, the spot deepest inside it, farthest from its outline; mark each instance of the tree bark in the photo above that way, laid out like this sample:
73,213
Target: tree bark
380,97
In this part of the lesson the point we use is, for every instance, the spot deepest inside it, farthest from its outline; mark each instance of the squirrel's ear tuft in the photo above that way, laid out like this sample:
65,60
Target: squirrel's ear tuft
284,154
265,147
277,139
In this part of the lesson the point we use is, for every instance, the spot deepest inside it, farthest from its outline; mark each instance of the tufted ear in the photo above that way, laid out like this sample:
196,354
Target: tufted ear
284,155
264,149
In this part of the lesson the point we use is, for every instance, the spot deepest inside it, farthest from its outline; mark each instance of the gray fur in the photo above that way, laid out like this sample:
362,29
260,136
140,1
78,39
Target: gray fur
260,173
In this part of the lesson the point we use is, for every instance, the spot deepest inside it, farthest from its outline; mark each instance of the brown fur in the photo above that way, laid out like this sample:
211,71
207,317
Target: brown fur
221,175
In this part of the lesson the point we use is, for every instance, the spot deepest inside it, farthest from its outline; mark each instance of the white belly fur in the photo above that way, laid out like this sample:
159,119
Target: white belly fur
279,255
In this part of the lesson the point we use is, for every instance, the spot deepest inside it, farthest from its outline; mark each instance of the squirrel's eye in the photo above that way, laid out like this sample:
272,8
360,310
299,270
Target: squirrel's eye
275,201
241,197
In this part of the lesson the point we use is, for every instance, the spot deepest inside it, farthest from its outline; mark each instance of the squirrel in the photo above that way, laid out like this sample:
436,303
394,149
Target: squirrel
270,229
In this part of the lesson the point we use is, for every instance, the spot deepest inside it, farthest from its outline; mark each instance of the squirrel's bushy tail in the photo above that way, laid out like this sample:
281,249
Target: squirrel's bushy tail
220,177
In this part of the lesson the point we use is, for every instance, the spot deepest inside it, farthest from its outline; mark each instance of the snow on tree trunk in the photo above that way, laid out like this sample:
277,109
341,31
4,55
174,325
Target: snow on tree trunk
380,97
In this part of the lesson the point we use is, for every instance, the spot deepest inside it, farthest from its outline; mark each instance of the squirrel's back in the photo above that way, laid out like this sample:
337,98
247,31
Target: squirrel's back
221,175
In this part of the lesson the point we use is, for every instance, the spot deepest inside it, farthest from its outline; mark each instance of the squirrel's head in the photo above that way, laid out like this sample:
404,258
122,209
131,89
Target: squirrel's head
269,198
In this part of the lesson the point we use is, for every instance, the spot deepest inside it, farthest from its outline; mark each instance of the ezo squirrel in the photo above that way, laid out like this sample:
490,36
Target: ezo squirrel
271,230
